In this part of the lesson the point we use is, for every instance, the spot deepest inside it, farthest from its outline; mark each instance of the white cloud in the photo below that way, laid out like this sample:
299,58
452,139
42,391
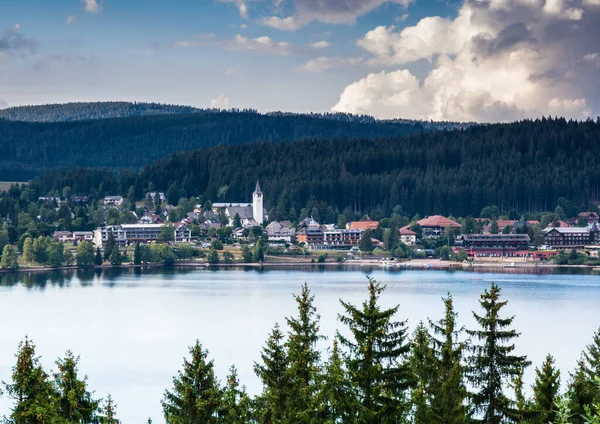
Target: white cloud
92,6
320,45
69,19
220,102
322,64
17,27
498,60
243,26
261,44
593,58
243,10
331,12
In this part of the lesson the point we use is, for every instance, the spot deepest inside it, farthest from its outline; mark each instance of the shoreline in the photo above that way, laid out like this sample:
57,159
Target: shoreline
414,265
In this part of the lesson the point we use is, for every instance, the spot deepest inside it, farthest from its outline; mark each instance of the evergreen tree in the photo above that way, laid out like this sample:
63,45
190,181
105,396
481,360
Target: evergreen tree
492,361
35,400
259,251
366,243
196,396
583,390
545,392
85,254
494,227
109,245
137,255
109,412
337,402
28,250
213,257
273,372
235,407
448,387
115,257
303,358
76,403
376,359
10,258
422,363
237,221
98,260
247,254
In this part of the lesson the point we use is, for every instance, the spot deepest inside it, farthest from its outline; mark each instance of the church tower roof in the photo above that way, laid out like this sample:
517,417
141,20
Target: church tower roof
257,191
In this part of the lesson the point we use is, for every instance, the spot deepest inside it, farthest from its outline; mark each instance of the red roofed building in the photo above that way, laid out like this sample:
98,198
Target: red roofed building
367,224
408,236
435,226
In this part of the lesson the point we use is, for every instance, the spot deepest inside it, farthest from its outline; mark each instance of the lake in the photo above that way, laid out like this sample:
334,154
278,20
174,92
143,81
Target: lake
132,328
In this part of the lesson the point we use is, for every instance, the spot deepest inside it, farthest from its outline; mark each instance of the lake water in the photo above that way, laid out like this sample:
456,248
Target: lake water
132,329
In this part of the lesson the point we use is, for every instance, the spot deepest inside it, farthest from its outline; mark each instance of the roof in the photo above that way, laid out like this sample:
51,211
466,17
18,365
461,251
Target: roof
523,237
363,225
245,212
231,204
405,231
257,191
438,221
568,230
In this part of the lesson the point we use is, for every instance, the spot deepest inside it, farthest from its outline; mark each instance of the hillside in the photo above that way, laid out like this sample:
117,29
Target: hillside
520,167
27,147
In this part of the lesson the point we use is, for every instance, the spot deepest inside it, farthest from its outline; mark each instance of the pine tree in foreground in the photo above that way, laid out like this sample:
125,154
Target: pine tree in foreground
235,406
583,391
422,364
303,359
109,412
31,390
196,396
271,405
545,393
493,364
76,403
376,362
448,387
336,398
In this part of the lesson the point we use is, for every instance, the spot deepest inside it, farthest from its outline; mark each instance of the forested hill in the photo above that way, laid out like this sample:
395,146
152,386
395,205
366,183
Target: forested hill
26,147
67,112
523,166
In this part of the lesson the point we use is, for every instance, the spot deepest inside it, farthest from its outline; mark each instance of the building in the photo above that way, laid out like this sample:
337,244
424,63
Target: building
62,236
80,199
49,200
79,236
152,195
113,201
435,226
498,245
250,214
367,224
592,217
311,235
343,239
140,233
407,236
281,231
572,237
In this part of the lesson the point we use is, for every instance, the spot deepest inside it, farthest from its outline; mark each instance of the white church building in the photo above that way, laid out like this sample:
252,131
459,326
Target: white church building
251,214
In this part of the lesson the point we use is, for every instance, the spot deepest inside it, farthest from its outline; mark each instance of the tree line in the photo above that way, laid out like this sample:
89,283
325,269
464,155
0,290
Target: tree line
374,372
523,167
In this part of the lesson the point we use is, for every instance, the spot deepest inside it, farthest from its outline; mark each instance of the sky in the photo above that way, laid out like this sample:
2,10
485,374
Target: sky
470,60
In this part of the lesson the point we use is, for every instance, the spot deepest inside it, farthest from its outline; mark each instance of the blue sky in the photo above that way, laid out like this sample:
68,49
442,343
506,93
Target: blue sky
389,58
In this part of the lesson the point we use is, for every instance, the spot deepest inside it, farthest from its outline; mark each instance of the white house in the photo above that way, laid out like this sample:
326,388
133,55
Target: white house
281,231
113,200
140,233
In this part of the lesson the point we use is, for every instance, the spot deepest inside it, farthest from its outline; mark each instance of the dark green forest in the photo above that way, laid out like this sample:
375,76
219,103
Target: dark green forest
27,147
376,371
520,167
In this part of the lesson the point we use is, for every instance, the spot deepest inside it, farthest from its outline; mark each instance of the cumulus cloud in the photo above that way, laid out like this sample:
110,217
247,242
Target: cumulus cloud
323,63
498,60
261,44
330,11
92,6
220,102
320,45
70,19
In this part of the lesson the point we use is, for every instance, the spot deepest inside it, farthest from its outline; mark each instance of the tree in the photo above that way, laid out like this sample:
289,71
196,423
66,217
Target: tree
137,255
545,392
272,371
392,239
492,361
422,363
303,358
228,257
196,396
85,254
247,254
259,251
494,227
31,390
109,245
213,257
376,353
336,397
235,406
68,258
109,412
28,250
237,221
76,404
166,234
583,390
366,243
115,257
448,387
56,252
98,260
10,258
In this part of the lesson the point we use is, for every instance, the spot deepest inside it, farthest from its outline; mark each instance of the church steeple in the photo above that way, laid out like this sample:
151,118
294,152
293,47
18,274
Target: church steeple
257,205
257,191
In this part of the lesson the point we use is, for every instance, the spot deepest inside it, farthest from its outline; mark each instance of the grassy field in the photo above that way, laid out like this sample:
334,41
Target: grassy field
5,185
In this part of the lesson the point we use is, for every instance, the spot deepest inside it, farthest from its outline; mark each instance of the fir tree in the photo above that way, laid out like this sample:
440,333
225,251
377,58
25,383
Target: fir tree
259,251
115,257
109,412
303,358
99,260
237,221
273,373
76,403
336,397
448,388
422,363
35,400
492,361
137,255
196,396
247,254
213,257
583,391
109,245
235,407
376,359
494,227
545,392
366,242
28,250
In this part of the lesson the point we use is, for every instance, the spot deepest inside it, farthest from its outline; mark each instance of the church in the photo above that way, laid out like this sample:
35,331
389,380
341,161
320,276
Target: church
251,214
